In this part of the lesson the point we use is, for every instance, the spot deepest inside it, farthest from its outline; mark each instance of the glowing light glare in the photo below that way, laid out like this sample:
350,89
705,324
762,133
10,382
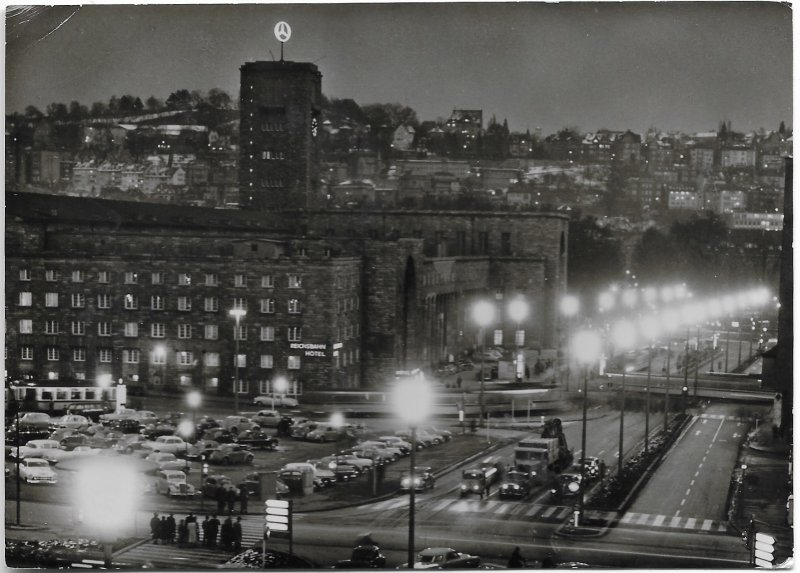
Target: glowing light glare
159,350
700,311
623,333
586,346
763,295
337,420
606,301
670,320
728,303
412,399
280,384
630,297
104,380
688,313
193,399
483,313
742,300
237,313
518,309
667,294
680,291
650,327
108,493
650,295
569,305
186,428
714,308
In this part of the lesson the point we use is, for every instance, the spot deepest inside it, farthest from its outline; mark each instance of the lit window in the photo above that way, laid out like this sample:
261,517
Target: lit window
77,276
157,278
130,356
104,277
51,327
295,281
51,299
79,354
184,331
240,280
104,328
104,354
211,304
212,359
266,361
158,358
267,333
25,299
157,330
211,280
25,326
131,301
294,363
267,281
52,353
294,306
26,352
78,327
184,279
185,358
267,305
294,333
184,303
240,303
211,332
240,333
51,275
103,301
242,386
240,360
131,329
157,302
24,274
131,278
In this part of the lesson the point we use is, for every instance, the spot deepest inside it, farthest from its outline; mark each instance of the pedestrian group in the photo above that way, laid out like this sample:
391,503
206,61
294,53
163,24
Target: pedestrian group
187,533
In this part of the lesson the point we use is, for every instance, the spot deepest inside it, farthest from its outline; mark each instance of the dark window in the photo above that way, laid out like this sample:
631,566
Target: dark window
505,243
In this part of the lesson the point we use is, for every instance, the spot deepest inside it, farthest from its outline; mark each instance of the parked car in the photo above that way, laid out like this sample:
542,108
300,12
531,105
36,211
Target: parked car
206,423
236,424
24,436
212,483
393,452
62,433
300,429
380,455
146,417
324,473
122,414
127,443
286,401
91,412
201,450
423,479
36,420
266,418
36,448
220,435
227,454
173,484
361,464
166,461
444,558
126,426
171,444
363,557
345,472
104,440
33,470
72,421
396,442
252,483
257,439
323,434
71,442
154,431
434,431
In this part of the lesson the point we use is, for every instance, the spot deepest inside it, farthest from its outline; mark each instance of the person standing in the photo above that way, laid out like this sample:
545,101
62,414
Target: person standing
204,526
231,496
225,535
182,533
171,529
213,530
243,499
163,530
154,525
191,530
237,534
220,495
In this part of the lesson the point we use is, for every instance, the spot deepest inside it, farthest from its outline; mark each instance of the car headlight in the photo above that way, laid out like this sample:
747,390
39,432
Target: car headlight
553,491
405,482
463,488
417,481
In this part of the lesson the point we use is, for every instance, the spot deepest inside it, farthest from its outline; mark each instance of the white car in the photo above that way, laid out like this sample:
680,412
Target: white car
36,471
38,448
361,464
123,414
394,452
72,422
378,454
266,418
236,424
396,442
433,430
36,419
173,483
286,401
168,444
168,461
444,558
146,417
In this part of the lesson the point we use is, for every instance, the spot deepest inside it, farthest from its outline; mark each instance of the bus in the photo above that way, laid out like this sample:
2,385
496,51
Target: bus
55,397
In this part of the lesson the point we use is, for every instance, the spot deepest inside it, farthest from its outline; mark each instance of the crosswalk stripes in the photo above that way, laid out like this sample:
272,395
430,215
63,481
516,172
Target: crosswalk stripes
533,510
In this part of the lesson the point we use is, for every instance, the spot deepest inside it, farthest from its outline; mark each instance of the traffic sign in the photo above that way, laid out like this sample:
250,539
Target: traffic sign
764,550
283,31
279,517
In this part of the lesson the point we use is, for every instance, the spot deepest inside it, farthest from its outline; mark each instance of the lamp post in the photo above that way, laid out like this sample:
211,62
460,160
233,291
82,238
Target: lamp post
624,337
193,399
237,314
569,308
649,326
586,349
670,319
483,313
518,311
412,399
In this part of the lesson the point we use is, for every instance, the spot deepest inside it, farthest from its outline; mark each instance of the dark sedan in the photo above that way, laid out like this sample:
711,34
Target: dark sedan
517,485
257,439
423,479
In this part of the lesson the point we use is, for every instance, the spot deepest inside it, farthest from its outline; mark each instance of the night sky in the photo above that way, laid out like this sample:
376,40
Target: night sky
674,66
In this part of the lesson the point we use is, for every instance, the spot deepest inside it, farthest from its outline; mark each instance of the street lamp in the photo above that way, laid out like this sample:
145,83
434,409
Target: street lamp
483,314
280,384
237,314
412,399
586,348
623,335
569,308
518,311
649,326
193,399
669,319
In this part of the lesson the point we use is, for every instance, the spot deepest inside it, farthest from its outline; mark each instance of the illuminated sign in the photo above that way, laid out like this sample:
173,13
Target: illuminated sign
310,348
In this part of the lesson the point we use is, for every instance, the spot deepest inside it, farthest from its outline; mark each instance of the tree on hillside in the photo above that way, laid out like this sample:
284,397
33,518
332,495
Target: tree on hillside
218,98
57,111
154,104
389,114
77,111
99,109
594,256
33,112
654,258
181,99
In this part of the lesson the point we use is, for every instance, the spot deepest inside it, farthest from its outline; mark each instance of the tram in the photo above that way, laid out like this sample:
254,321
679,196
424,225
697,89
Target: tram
60,397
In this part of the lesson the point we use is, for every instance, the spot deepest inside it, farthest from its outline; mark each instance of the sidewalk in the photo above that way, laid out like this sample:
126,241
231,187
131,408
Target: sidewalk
765,484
